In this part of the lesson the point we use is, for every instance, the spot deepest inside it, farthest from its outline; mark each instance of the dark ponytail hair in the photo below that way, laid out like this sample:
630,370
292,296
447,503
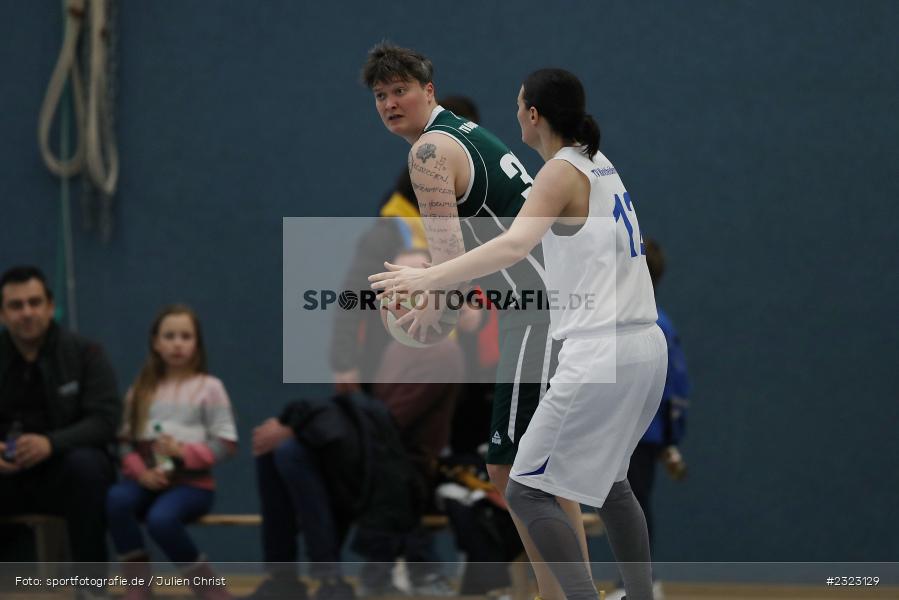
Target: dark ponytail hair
558,96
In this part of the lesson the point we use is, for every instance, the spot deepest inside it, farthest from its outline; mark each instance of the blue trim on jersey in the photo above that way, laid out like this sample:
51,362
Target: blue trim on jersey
538,471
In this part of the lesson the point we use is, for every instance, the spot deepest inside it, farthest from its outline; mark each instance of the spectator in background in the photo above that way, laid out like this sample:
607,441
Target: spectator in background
324,465
660,442
178,424
419,386
59,411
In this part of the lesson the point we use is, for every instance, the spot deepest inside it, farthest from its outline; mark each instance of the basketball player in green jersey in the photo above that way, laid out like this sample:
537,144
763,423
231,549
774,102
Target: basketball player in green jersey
460,171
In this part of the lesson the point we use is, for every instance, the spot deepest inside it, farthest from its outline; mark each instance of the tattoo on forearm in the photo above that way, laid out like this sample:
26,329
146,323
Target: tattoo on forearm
444,234
435,194
445,247
426,151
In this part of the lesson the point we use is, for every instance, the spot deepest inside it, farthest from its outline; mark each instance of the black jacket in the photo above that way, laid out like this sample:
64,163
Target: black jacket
83,401
368,475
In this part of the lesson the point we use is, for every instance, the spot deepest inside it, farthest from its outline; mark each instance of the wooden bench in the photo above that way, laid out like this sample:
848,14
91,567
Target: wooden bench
519,570
248,520
251,520
51,543
50,538
592,524
50,530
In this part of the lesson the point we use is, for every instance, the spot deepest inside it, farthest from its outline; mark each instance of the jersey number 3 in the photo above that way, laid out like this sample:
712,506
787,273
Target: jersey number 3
512,167
620,213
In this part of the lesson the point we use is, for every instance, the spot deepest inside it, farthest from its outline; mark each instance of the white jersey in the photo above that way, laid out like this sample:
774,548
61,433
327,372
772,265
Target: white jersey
599,274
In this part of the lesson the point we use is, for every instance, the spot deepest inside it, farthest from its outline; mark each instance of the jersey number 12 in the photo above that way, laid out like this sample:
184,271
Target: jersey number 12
621,214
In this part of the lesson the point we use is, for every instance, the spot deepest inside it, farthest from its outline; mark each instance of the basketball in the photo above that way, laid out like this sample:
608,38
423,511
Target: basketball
392,310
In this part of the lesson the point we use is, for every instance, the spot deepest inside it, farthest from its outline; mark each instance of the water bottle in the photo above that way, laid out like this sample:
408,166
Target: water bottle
162,461
15,430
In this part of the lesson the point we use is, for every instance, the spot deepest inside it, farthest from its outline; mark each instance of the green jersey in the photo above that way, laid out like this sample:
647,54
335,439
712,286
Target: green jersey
497,189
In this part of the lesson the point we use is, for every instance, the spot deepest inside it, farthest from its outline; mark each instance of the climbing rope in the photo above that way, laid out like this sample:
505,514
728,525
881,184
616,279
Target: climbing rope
95,153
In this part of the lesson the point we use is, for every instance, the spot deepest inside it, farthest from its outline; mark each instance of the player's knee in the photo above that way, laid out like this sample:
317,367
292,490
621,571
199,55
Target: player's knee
620,491
523,500
513,495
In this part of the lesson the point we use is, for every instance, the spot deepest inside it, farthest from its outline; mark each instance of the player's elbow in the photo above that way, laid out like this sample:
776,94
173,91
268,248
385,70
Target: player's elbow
517,248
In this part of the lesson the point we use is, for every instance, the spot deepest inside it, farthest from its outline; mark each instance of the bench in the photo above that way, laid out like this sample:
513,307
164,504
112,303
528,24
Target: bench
51,544
518,570
592,524
50,530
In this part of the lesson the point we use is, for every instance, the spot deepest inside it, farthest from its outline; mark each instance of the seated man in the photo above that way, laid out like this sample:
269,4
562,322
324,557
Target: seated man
321,466
59,413
318,472
295,497
419,387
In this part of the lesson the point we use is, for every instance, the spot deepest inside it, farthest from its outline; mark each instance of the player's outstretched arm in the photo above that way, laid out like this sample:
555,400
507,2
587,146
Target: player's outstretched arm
554,188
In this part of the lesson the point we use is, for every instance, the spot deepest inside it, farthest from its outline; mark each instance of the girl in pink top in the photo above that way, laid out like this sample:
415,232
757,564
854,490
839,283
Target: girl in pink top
178,423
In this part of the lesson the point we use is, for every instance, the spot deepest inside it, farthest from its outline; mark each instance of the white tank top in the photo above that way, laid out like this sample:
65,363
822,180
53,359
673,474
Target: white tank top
598,275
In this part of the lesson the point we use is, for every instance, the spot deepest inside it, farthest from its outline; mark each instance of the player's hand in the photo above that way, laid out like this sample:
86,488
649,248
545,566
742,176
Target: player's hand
347,382
168,446
154,479
399,280
269,436
674,463
421,320
32,449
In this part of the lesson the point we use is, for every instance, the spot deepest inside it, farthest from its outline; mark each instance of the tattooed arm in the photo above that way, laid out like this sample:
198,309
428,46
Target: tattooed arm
438,167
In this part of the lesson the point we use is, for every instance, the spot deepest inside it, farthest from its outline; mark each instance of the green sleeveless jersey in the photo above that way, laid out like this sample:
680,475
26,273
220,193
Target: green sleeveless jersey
497,189
500,183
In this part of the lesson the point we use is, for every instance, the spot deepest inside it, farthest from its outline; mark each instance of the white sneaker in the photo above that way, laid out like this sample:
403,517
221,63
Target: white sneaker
433,585
657,592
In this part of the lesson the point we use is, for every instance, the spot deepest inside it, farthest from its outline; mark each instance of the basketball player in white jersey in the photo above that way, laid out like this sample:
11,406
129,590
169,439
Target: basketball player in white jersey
579,442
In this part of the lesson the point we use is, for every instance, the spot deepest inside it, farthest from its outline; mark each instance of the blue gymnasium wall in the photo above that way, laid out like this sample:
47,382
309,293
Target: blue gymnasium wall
757,138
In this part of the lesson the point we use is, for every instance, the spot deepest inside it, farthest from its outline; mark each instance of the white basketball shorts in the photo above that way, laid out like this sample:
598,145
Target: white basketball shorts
583,433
